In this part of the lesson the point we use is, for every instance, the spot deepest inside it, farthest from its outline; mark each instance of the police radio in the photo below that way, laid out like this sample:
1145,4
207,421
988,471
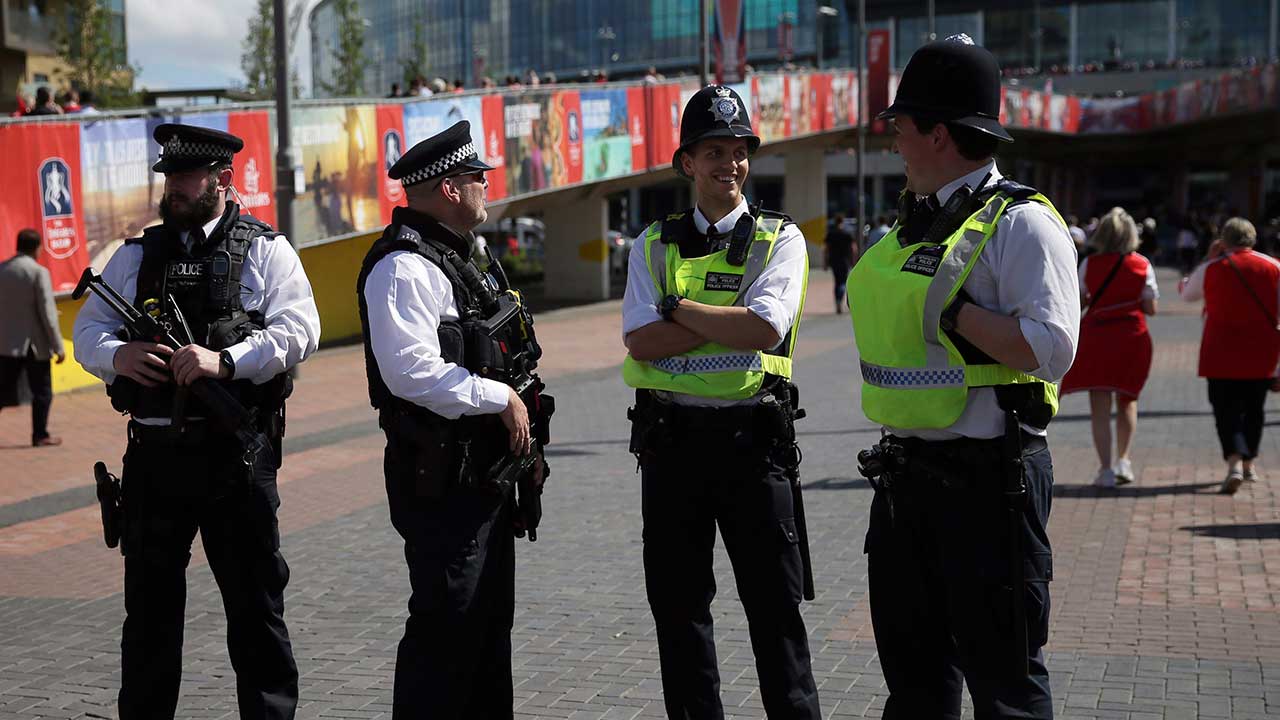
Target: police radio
220,278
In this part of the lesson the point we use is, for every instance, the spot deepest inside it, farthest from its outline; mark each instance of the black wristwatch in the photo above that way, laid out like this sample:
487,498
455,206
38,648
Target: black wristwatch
668,306
224,359
951,315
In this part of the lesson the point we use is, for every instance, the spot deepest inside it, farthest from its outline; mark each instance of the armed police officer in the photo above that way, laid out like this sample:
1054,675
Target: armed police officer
965,317
449,355
236,293
712,307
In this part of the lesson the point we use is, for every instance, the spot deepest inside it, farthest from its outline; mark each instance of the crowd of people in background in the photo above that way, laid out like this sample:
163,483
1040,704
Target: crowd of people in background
67,102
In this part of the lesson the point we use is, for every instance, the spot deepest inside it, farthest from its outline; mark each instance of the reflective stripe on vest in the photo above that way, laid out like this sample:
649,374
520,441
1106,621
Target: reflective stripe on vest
712,370
913,375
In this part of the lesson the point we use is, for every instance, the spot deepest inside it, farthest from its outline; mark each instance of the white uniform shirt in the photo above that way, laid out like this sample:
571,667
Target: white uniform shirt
408,297
774,297
1027,270
273,283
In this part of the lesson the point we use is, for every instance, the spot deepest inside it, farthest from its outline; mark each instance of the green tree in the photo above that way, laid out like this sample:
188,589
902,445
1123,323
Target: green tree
94,52
348,56
258,55
415,63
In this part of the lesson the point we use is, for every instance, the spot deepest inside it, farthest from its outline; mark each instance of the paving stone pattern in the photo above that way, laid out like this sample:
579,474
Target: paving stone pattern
1165,598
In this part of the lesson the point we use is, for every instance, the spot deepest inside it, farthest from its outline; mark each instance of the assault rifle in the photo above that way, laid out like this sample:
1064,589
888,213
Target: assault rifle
226,410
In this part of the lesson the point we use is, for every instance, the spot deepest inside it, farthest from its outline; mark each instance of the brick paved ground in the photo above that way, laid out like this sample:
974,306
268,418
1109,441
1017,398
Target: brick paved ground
1165,602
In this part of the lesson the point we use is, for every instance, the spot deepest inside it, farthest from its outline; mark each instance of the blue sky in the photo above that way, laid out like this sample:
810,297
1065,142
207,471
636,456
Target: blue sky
193,44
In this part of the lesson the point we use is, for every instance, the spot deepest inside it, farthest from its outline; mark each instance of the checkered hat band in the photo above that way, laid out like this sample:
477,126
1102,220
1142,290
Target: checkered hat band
180,150
699,364
887,377
466,153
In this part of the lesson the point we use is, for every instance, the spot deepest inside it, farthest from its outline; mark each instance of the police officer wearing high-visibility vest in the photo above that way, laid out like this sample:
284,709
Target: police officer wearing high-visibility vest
236,292
965,317
449,354
713,303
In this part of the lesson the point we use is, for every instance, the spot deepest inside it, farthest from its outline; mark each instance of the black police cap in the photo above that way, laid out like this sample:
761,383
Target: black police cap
449,152
714,111
952,80
186,147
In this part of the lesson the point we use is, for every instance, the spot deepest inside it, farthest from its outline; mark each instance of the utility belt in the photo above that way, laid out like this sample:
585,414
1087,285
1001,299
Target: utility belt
914,464
656,422
447,455
204,432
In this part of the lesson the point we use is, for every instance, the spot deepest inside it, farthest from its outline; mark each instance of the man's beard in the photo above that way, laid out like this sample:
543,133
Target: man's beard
194,214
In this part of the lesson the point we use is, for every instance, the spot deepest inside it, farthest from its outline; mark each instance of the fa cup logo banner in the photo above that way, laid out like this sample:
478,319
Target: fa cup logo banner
57,212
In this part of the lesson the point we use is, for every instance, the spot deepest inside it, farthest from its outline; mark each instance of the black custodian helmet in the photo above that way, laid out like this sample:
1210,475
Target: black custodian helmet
714,111
952,80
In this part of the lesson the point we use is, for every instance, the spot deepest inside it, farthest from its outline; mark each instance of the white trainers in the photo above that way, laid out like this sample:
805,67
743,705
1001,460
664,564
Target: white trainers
1124,471
1106,478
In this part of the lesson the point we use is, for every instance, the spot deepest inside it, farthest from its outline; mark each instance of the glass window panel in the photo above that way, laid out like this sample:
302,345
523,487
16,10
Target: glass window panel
1119,33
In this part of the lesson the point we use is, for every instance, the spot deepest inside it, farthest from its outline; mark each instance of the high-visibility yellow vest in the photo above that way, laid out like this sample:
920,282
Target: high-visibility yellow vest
713,370
913,377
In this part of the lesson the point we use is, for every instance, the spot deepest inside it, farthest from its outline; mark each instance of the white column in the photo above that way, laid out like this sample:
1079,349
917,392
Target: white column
804,197
576,259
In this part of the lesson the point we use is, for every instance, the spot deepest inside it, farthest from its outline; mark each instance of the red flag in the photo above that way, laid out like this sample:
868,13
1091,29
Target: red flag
494,145
635,121
569,104
391,145
41,177
254,167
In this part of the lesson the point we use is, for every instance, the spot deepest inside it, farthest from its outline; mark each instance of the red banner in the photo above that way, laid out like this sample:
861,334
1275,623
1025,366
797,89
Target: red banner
788,119
254,167
569,105
824,114
730,46
494,145
664,123
41,177
391,145
635,121
877,71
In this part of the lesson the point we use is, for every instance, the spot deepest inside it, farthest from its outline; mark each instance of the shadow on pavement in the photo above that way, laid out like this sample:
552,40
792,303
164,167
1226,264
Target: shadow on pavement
1084,417
1249,531
836,483
1130,491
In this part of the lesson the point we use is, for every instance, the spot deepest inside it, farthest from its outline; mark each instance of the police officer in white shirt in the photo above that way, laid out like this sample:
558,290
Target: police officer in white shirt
710,319
249,309
449,421
965,316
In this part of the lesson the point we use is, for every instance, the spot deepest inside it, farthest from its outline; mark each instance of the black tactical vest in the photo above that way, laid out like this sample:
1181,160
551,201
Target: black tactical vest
419,233
204,285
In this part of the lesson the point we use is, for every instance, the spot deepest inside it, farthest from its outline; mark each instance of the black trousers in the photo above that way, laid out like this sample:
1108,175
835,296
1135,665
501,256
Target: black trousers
40,382
1239,409
689,488
454,660
940,599
171,491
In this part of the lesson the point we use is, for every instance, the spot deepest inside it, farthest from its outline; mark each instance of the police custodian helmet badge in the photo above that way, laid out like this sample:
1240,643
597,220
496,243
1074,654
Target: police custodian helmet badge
725,107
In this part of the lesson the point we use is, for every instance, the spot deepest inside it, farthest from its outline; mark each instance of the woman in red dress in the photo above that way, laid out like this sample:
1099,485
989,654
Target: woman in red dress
1118,290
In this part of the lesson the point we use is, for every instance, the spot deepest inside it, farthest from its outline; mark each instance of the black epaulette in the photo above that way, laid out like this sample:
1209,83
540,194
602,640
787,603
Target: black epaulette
247,227
1017,192
676,226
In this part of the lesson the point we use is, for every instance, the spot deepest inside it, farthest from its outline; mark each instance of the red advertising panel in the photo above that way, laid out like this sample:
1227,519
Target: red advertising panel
494,143
635,121
730,41
824,115
787,120
877,71
254,166
41,177
663,123
391,146
755,104
568,105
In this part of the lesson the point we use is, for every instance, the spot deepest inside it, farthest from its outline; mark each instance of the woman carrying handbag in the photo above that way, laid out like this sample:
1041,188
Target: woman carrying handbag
1118,291
1240,347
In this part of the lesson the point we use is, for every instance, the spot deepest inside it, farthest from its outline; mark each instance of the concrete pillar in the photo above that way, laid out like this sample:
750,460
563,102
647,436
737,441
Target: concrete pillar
576,257
877,196
804,196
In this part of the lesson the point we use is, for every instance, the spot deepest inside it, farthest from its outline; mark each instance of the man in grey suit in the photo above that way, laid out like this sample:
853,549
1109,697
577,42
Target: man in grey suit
29,335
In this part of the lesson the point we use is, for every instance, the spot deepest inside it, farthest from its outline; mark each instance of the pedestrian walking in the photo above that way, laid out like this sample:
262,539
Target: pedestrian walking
29,335
710,317
1188,246
1118,291
840,250
1240,347
454,423
964,316
236,292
